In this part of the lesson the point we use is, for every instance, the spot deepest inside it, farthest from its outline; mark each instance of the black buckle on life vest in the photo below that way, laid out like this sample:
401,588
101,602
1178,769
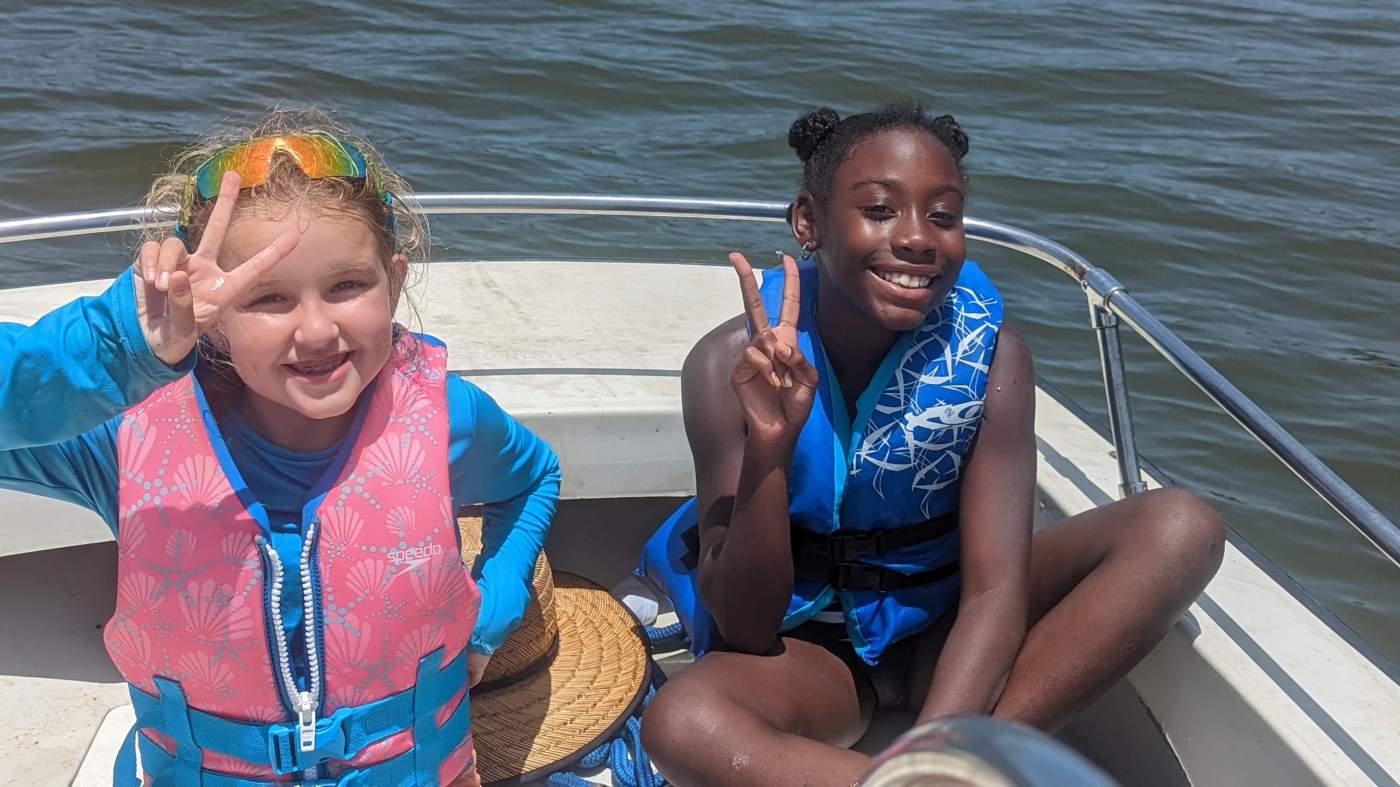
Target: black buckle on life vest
850,545
853,545
836,558
857,576
846,547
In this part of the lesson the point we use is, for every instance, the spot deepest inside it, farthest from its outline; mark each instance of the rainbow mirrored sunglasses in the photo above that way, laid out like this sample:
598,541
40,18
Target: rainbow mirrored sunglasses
317,155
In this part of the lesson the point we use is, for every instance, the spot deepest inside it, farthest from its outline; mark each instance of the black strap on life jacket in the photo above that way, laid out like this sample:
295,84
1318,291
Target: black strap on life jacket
835,557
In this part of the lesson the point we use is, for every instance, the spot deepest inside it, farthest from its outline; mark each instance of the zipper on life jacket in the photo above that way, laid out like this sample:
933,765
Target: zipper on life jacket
314,625
303,704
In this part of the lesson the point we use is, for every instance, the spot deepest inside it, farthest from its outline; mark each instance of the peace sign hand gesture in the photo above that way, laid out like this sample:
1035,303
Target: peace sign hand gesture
773,380
180,295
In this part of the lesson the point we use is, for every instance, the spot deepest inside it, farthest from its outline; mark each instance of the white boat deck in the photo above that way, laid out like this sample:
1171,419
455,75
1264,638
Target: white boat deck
1253,686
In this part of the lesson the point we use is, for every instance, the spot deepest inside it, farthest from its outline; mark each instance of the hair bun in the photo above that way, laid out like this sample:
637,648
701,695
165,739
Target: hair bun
808,131
947,129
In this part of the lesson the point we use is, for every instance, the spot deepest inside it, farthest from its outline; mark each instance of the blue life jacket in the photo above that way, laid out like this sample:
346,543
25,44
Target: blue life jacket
890,472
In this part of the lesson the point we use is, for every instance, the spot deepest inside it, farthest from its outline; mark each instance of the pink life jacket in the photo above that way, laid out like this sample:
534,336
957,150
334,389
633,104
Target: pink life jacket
390,606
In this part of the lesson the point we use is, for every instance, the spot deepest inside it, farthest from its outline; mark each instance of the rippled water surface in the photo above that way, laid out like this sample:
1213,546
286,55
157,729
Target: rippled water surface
1235,164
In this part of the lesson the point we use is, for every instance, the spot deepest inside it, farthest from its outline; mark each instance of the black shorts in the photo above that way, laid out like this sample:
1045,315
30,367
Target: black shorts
888,681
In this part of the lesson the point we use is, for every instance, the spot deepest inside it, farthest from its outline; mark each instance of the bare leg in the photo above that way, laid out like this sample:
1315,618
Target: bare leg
737,719
1105,586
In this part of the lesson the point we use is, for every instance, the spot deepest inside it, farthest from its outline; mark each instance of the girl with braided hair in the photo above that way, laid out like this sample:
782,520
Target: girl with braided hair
864,447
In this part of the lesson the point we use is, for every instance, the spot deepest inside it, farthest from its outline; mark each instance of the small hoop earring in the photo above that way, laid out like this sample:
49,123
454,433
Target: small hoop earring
807,249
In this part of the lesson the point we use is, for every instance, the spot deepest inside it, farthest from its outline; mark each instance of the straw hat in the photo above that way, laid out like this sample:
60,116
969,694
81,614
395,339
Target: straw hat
564,681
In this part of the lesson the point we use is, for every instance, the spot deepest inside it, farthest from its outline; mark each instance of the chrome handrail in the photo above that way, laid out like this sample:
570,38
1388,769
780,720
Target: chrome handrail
1109,303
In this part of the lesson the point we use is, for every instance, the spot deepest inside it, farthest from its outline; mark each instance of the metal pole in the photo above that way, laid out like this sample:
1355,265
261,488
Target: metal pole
1313,471
1115,386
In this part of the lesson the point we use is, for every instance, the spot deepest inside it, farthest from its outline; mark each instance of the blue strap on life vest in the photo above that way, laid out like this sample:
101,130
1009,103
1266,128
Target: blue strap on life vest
401,771
427,738
175,714
340,736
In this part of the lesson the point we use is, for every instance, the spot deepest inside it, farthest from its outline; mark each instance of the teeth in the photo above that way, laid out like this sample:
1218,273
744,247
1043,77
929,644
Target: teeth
319,367
905,279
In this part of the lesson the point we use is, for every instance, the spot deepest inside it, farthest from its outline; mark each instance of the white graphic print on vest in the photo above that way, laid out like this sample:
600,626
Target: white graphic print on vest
920,444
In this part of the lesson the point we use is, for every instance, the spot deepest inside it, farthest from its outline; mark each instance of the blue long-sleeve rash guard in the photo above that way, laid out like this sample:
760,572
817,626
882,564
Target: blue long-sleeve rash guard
66,379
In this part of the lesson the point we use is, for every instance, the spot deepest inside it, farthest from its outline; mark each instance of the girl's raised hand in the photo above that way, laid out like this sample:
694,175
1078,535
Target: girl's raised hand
773,380
180,296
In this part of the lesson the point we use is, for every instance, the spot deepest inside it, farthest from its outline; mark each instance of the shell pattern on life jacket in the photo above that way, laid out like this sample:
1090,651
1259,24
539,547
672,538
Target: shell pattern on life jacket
390,605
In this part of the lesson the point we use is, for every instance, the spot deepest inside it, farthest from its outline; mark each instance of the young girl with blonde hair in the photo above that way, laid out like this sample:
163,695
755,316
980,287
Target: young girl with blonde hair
281,463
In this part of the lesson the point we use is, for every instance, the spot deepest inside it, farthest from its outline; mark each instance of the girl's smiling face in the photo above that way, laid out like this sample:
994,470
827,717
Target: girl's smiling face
308,340
890,237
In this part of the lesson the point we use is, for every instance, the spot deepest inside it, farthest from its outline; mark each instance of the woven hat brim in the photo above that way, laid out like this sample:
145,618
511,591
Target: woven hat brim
551,718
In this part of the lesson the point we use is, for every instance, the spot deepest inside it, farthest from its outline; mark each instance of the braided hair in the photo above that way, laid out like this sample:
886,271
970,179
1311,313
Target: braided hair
823,140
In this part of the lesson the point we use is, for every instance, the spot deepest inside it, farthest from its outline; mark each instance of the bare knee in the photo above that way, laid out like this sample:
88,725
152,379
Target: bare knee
1184,533
678,716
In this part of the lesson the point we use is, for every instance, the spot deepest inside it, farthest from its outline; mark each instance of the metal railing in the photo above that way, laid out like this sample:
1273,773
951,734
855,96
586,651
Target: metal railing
1109,303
